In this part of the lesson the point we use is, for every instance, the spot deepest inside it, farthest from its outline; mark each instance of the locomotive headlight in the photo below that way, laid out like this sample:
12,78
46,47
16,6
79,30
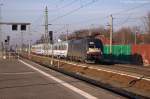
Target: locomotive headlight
91,43
94,50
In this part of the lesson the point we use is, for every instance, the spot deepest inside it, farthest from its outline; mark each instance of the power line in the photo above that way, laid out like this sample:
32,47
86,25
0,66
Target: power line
67,5
64,6
117,13
128,19
127,10
134,18
82,22
74,10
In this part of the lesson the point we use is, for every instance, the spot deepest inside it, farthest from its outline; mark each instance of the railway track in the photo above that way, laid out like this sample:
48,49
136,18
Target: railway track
112,77
136,70
125,68
145,71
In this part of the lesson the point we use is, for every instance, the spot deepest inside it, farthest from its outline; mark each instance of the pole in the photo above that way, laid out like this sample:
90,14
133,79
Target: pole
67,31
46,30
135,39
1,30
18,53
111,33
47,36
21,41
29,50
52,47
52,54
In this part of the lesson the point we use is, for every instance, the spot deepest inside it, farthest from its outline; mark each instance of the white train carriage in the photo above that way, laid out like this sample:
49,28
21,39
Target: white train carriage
60,49
37,49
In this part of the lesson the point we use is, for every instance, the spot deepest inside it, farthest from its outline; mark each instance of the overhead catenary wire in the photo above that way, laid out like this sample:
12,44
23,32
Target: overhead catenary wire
67,5
130,9
64,6
126,20
72,11
133,18
129,19
127,10
116,13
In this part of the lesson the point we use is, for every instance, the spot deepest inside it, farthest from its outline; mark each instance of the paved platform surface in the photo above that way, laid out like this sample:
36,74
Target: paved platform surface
18,81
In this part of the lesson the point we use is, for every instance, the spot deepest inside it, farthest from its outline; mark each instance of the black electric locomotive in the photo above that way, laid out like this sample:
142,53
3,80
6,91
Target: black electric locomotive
85,49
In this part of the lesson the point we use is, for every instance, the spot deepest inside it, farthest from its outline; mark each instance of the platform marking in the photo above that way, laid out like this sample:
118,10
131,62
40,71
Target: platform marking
84,94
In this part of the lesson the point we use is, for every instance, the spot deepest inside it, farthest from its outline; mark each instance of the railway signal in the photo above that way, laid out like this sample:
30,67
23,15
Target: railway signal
51,36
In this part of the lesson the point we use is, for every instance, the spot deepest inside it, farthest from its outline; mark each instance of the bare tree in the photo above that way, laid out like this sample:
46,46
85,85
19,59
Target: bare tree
147,28
87,32
148,22
124,36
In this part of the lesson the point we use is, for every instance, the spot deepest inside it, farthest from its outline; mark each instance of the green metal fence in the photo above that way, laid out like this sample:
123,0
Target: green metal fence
119,52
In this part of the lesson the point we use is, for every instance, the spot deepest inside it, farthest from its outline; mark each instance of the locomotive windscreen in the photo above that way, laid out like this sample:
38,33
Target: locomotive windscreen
92,45
95,43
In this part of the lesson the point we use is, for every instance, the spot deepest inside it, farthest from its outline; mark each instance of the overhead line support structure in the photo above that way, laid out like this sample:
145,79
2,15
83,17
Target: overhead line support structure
46,31
46,36
111,33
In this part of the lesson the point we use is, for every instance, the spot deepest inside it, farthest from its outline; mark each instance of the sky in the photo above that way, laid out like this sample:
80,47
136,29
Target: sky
85,14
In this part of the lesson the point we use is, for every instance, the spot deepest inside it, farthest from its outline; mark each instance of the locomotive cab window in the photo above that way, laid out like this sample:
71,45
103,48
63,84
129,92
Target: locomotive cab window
91,45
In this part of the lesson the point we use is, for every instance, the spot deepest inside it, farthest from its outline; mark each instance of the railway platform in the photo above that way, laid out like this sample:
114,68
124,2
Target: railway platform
23,79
